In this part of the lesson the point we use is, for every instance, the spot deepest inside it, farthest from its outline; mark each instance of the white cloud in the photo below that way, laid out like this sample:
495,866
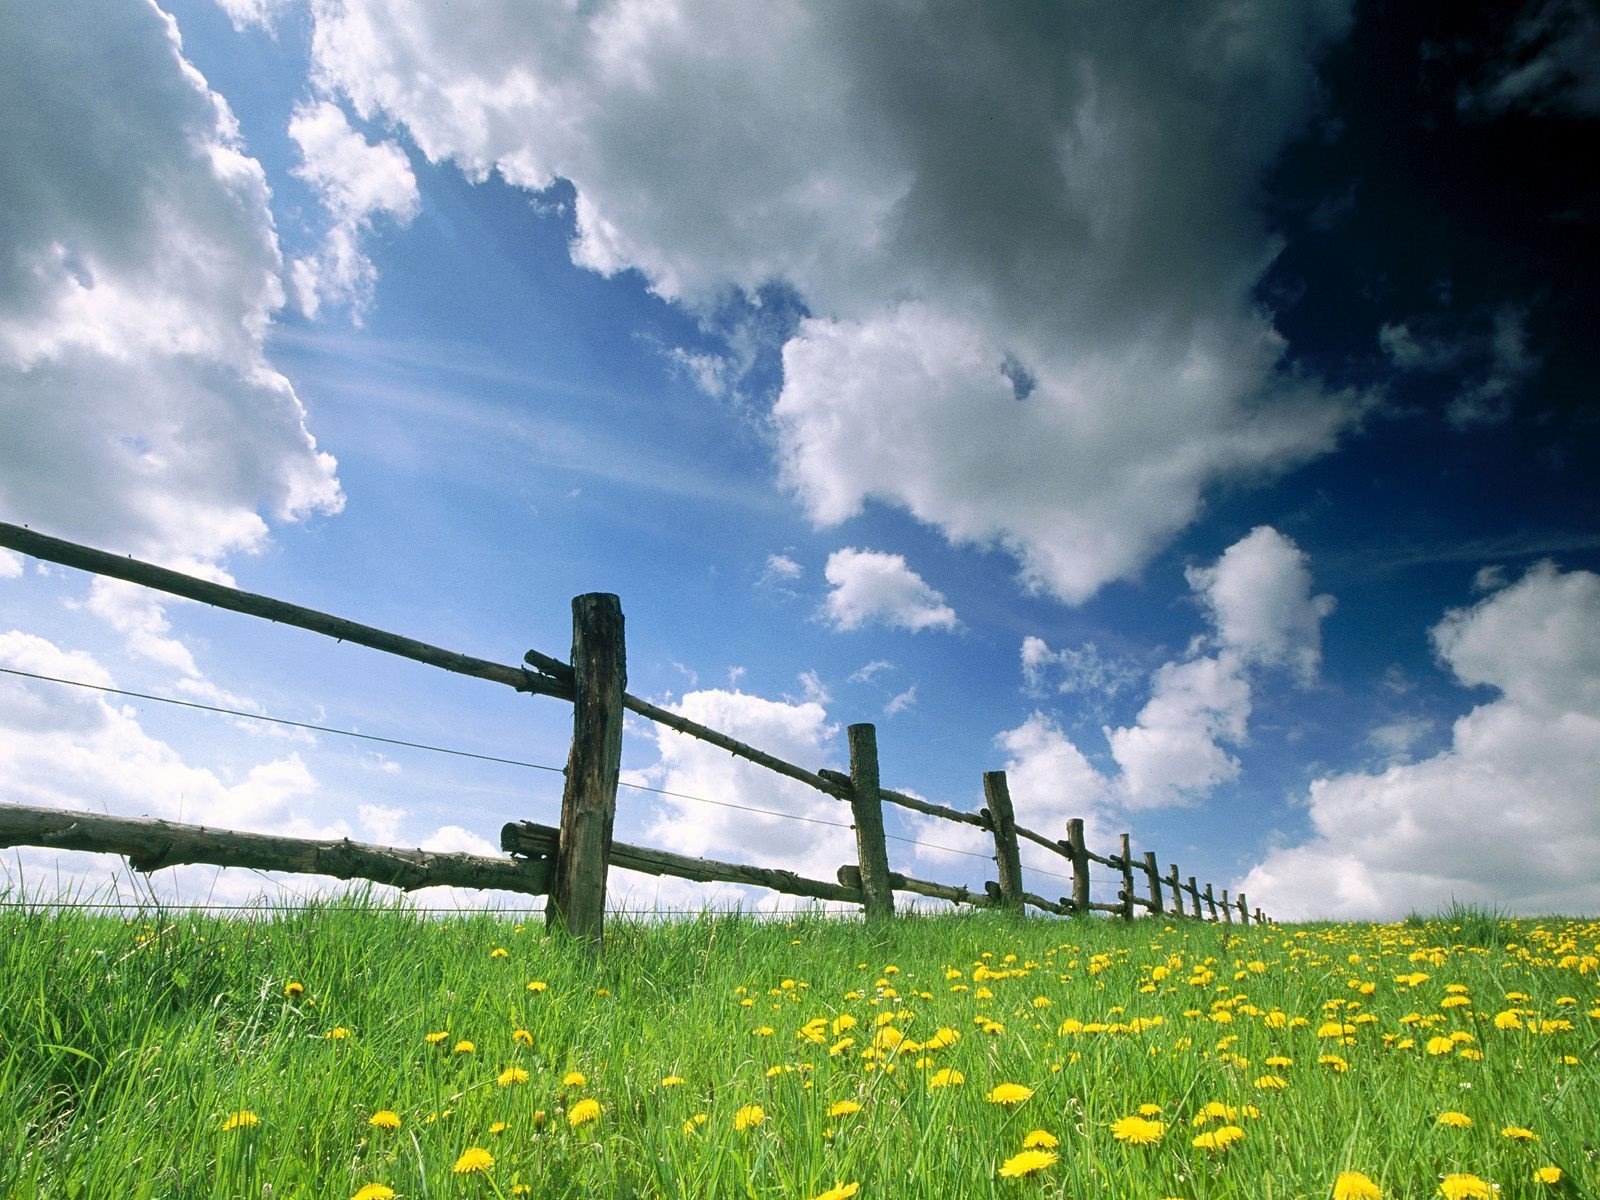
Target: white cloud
1490,354
871,670
138,275
900,701
1259,596
815,689
1029,248
356,182
1082,671
1174,753
1553,64
870,586
798,732
245,13
1506,815
10,565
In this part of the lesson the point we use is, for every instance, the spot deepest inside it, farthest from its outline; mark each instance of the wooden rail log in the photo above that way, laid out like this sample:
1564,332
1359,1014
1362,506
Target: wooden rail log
1063,908
526,837
132,570
840,779
850,877
150,845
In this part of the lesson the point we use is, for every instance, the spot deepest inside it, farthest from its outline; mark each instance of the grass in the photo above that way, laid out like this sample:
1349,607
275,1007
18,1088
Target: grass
127,1046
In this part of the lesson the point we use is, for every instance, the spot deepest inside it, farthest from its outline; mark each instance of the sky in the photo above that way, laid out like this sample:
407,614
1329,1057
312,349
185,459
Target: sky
1187,408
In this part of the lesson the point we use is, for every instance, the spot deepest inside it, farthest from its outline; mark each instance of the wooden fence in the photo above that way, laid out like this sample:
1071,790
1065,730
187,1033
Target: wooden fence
569,864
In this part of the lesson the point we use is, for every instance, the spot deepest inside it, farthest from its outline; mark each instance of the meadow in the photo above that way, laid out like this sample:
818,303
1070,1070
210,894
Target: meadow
358,1050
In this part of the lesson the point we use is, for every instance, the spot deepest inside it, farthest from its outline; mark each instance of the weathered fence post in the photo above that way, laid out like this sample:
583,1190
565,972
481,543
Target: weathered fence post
1080,867
1211,902
867,804
1260,920
1194,894
1004,824
1227,908
1244,910
1177,889
577,900
1153,874
1127,880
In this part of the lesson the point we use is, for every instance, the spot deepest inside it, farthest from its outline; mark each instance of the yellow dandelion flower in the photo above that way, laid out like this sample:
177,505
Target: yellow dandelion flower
574,1079
1550,1175
1440,1045
1138,1131
1509,1019
243,1119
337,1034
437,1036
1338,1063
1271,1083
1518,1134
1148,1110
522,1037
1040,1139
694,1122
946,1077
1353,1185
1218,1139
499,1127
1027,1163
293,989
749,1117
672,1081
1465,1187
1455,1120
374,1191
512,1075
474,1160
1009,1094
844,1108
384,1118
538,985
464,1047
583,1112
841,1191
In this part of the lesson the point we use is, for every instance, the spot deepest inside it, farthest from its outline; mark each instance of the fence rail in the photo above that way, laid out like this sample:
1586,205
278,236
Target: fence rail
570,864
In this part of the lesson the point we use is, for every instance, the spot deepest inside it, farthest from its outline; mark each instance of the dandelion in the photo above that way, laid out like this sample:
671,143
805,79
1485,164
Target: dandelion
499,1127
583,1112
1518,1134
1027,1163
1455,1120
574,1079
1009,1094
844,1108
522,1037
1148,1110
694,1122
946,1077
474,1160
384,1118
842,1191
243,1119
437,1036
293,990
1549,1175
749,1117
374,1191
1138,1131
1040,1139
672,1081
337,1034
1218,1139
512,1075
499,952
1465,1187
1353,1185
1271,1083
464,1047
538,985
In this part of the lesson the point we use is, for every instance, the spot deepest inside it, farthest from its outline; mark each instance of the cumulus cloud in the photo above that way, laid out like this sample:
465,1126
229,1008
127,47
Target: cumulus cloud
1028,246
1081,671
356,181
139,269
10,565
870,586
1505,815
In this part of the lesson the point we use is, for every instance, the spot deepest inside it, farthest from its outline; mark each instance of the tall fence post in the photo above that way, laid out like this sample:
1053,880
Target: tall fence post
1080,867
1194,894
1004,823
577,900
1153,874
1244,910
1227,908
1211,902
1127,880
867,804
1177,889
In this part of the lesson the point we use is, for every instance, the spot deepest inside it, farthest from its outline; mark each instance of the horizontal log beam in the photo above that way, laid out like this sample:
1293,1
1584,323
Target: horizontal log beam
850,876
1058,847
904,801
151,845
526,837
1063,909
132,570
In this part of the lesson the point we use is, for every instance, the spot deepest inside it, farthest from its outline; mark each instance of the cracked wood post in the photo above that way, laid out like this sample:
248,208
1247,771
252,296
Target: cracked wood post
1194,894
1127,880
1227,908
589,800
1244,910
867,804
1260,920
1080,868
1004,823
1153,874
1176,884
1211,902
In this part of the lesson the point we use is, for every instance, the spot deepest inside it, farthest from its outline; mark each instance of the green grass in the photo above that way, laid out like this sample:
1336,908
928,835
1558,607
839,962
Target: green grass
125,1046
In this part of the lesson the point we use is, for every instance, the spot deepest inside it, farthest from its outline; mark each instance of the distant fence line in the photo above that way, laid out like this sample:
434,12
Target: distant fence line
569,865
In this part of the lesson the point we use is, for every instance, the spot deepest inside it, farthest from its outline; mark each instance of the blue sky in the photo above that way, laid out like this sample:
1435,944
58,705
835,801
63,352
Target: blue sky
1191,415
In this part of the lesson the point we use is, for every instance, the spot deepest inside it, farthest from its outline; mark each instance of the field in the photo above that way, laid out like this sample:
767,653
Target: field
354,1050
